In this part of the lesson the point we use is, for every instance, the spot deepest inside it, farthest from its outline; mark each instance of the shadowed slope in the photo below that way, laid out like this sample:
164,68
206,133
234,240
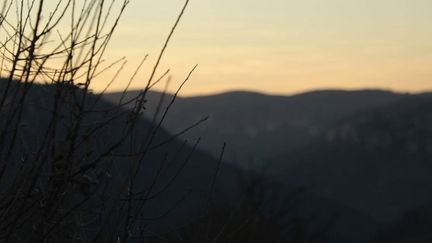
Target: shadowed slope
259,126
377,161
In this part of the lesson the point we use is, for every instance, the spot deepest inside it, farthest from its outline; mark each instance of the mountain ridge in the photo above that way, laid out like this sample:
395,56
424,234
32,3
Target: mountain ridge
240,117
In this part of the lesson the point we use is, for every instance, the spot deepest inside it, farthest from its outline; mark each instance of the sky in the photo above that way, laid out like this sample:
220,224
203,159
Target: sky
280,46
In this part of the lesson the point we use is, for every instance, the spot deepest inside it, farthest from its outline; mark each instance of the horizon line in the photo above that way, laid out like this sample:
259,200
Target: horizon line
294,93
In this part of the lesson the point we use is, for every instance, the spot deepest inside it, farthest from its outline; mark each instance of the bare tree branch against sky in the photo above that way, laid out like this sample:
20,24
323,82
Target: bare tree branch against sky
284,46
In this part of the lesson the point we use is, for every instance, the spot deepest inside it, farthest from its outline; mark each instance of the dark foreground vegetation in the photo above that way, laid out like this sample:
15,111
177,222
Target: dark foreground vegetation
76,166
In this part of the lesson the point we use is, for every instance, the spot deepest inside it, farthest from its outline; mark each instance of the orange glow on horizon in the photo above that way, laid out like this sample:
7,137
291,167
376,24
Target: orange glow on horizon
279,47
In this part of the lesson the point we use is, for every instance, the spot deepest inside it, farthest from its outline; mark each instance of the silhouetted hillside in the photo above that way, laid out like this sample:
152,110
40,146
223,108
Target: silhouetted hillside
368,150
259,126
177,177
376,161
414,226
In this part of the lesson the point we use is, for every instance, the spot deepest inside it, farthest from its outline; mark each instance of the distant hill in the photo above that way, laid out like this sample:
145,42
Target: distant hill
366,150
185,199
377,161
413,226
258,126
183,174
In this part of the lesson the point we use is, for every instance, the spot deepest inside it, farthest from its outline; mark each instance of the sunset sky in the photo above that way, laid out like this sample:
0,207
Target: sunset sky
281,46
